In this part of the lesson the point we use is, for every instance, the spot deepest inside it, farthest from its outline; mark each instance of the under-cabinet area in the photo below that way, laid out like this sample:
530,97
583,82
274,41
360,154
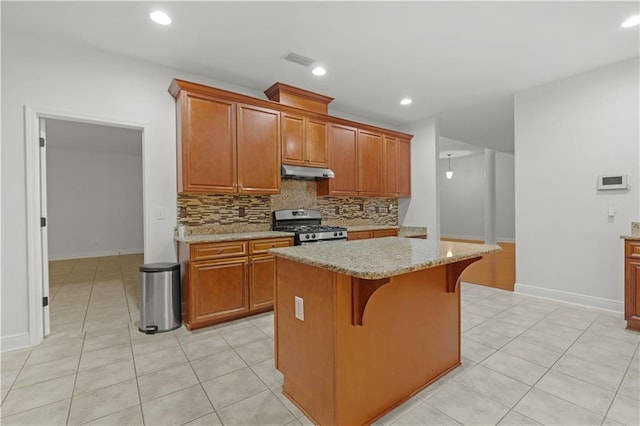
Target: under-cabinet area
226,280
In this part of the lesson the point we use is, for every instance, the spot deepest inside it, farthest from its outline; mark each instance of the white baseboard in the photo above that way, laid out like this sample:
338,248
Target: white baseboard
568,297
85,254
14,342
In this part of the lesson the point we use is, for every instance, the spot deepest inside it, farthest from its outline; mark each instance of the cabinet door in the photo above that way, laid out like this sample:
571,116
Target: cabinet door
343,160
258,144
317,146
262,281
404,168
632,294
207,152
218,290
369,163
359,235
293,139
389,166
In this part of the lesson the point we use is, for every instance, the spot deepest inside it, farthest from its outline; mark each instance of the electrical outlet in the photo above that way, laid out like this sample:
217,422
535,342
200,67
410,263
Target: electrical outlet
337,210
242,211
299,307
361,207
377,209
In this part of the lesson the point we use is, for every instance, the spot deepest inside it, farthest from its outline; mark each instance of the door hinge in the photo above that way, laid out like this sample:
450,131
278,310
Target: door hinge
41,142
43,221
45,301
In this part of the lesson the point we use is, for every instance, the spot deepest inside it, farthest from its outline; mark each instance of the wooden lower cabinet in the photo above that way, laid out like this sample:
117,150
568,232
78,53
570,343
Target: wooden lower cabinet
632,284
227,280
262,281
221,289
378,233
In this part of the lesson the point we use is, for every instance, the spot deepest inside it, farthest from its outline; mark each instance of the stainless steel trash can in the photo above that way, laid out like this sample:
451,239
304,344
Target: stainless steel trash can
160,297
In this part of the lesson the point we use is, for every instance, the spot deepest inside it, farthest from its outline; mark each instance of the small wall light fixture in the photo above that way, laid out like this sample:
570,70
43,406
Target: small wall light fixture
449,172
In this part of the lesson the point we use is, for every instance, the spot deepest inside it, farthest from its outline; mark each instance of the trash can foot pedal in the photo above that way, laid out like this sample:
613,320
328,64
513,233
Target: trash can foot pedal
151,329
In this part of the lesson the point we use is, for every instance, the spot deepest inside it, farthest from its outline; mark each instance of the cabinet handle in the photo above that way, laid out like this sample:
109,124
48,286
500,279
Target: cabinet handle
273,245
221,251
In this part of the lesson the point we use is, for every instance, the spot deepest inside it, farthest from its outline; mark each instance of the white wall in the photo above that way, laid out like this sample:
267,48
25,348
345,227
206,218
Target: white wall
95,84
462,198
566,134
422,208
94,190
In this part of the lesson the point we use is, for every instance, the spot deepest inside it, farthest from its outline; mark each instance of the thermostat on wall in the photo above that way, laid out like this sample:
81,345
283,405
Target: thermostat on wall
612,182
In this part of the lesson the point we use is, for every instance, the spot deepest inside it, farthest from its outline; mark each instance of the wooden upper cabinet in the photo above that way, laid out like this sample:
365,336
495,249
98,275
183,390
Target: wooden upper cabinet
389,166
207,154
304,141
293,139
317,145
258,150
369,163
343,160
404,168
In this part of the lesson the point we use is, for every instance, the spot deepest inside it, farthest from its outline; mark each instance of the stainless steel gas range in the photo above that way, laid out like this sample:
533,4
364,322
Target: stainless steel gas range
307,226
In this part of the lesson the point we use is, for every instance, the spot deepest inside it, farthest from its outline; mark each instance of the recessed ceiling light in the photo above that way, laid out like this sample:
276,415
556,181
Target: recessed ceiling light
318,71
631,22
160,17
405,101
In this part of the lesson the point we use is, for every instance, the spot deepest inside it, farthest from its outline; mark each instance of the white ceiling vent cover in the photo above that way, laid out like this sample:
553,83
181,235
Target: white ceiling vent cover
298,59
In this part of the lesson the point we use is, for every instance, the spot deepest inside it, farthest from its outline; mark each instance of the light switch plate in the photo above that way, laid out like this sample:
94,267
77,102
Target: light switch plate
299,307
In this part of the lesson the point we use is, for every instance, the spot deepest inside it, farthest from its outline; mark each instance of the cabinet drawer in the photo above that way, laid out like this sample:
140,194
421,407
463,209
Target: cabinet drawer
218,250
263,246
385,233
632,249
359,235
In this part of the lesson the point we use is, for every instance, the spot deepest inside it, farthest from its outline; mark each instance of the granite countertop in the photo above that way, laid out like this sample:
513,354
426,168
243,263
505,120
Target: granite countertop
382,257
412,231
635,232
215,238
356,228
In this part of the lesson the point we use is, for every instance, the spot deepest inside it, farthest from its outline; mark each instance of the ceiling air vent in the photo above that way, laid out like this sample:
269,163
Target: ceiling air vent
298,59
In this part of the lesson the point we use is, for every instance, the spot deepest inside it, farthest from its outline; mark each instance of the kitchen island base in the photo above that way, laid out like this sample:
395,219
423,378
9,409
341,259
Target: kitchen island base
358,348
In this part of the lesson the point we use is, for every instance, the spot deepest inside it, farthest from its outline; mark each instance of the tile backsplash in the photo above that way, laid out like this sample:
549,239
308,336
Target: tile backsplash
223,213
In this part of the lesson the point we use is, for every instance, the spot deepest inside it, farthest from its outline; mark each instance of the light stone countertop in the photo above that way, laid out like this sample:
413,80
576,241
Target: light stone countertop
383,257
412,231
235,236
635,232
356,228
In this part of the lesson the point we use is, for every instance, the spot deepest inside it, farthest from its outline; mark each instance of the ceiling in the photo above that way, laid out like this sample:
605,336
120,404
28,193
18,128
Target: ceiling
461,61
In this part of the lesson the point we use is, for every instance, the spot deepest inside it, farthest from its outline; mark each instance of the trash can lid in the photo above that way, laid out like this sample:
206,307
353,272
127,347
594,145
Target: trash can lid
159,267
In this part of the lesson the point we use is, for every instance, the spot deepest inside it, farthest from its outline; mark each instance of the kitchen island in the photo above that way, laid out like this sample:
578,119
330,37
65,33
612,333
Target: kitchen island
361,326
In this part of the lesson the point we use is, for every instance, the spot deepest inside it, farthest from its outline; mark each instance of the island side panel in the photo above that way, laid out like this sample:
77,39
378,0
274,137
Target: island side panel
305,349
409,337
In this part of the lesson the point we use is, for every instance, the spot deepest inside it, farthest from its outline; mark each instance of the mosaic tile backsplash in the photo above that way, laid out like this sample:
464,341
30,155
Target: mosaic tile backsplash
219,214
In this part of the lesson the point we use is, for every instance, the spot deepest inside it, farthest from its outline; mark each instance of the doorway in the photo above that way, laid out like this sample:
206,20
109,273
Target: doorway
94,224
71,221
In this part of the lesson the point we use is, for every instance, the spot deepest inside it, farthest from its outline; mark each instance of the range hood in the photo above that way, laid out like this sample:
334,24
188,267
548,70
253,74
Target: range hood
301,172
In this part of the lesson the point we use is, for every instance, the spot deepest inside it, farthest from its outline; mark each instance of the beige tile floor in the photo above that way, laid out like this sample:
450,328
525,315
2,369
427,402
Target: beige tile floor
525,361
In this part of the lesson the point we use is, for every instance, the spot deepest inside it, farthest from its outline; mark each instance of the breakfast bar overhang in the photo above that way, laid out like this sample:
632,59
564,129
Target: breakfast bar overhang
362,326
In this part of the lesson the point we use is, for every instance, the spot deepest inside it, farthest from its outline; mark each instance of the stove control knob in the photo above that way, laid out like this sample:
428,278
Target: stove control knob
313,235
307,236
335,234
340,233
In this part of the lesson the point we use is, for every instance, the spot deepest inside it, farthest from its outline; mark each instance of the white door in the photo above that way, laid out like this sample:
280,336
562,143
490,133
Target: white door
43,229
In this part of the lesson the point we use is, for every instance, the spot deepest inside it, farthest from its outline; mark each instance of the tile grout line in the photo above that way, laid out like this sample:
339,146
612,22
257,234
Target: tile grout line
549,369
617,392
75,380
